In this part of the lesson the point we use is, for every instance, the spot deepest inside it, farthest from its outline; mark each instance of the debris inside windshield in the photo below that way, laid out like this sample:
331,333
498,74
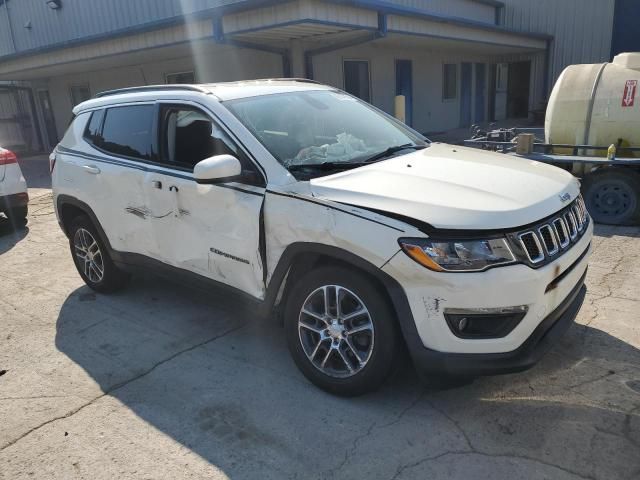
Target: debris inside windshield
345,149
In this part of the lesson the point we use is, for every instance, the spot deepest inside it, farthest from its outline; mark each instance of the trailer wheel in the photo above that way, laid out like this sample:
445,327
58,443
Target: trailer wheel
612,196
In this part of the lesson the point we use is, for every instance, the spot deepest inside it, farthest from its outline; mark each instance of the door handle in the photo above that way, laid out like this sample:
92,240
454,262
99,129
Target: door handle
91,169
157,184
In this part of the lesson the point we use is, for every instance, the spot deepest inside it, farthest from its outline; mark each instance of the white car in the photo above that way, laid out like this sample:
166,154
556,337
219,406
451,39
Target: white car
14,198
300,196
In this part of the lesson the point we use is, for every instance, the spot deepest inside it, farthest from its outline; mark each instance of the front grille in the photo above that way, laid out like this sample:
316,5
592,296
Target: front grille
532,246
549,239
552,237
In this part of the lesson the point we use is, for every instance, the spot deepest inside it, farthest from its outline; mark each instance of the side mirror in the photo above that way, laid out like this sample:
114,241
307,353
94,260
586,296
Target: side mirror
218,168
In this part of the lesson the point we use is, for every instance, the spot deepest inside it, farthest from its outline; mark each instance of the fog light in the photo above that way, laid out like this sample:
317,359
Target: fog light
462,324
484,322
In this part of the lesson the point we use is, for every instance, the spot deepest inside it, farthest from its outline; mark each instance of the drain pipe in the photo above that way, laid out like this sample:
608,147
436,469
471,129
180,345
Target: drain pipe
379,33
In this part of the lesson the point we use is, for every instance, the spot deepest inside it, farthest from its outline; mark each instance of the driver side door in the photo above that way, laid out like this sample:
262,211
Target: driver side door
212,230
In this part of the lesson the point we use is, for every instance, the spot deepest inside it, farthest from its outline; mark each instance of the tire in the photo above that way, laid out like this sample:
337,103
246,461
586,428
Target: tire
346,357
612,196
18,216
92,259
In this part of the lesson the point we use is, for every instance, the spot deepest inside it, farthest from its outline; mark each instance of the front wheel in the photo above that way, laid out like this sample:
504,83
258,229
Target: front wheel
341,331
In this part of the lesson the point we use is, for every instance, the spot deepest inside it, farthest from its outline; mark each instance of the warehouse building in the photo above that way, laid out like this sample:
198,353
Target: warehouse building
456,62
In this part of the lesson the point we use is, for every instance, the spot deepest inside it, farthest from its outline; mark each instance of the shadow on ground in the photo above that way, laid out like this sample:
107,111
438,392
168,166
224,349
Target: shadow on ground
614,230
10,234
202,369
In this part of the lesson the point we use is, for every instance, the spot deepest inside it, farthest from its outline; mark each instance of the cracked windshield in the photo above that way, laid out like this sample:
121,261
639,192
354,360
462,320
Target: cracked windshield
307,130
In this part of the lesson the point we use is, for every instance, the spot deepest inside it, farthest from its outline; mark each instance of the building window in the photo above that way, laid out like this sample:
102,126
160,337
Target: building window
357,80
449,81
181,77
79,94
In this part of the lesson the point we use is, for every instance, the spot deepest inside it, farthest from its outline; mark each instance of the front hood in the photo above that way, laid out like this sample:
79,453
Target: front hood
453,187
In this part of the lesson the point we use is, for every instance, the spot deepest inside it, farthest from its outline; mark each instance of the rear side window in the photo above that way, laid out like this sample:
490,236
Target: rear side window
127,131
93,132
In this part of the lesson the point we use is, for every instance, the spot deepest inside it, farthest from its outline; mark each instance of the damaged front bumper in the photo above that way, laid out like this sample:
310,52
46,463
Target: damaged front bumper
543,303
548,332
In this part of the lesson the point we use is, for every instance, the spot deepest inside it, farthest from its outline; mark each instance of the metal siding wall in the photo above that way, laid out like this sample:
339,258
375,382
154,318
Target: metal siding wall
625,27
78,19
581,28
467,9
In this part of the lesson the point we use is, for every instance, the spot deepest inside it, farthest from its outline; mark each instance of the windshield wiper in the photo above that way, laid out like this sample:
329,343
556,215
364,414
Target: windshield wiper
348,165
391,150
325,166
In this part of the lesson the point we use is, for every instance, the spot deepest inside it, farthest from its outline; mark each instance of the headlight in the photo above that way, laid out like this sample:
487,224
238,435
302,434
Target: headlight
458,255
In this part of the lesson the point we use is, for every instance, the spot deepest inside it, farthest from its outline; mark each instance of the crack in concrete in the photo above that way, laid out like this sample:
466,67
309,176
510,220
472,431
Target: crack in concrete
472,450
374,426
417,463
121,385
593,380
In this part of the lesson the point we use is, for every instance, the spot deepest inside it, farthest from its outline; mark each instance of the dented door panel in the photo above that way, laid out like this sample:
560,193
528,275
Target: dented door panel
211,230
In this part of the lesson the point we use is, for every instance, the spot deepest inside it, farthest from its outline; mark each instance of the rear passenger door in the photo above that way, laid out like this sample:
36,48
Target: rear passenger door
212,230
111,173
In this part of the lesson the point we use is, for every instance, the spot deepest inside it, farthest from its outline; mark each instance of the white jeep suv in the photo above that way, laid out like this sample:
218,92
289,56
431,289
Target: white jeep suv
300,196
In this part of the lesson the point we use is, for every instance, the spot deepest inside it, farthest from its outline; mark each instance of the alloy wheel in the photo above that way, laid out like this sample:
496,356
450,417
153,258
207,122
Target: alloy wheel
89,255
336,331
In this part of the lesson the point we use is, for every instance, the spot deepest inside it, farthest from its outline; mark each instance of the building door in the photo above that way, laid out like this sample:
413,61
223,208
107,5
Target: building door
356,79
480,93
465,94
404,86
18,126
47,116
518,89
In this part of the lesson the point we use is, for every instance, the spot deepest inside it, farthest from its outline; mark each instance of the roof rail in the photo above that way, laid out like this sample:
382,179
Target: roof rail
301,80
150,88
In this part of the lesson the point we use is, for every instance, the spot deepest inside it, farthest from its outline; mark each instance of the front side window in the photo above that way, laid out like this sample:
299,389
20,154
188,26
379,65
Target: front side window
321,128
191,136
127,131
188,136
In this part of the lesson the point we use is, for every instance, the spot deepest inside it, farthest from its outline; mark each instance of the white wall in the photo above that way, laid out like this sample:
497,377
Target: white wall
430,112
218,64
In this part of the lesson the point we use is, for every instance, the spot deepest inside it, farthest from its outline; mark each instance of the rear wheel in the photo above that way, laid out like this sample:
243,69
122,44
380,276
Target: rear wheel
92,259
341,331
611,196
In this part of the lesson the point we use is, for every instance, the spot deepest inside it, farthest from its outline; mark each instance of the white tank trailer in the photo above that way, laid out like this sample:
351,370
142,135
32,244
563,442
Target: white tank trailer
591,109
599,105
